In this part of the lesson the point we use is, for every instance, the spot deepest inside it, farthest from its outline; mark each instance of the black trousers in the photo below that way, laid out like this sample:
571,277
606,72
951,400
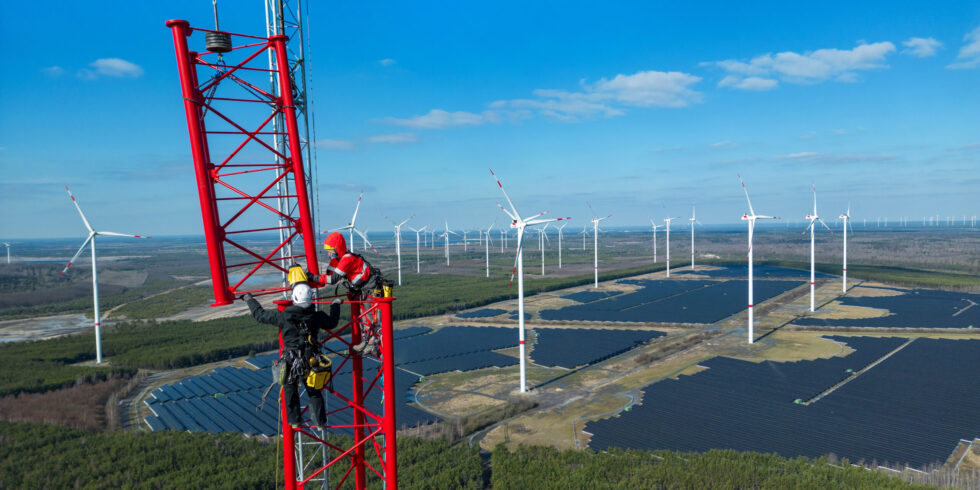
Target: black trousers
294,414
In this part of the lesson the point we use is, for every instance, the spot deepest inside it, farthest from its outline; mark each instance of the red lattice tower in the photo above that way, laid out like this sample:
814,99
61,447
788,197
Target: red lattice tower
230,124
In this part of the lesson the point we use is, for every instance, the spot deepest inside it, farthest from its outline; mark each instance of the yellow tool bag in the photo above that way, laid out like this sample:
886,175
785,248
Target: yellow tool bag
320,372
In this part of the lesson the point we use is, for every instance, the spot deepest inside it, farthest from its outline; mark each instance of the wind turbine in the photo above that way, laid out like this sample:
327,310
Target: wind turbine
487,246
693,221
95,272
668,220
398,244
847,221
751,217
8,251
595,240
446,236
503,240
655,226
559,243
351,229
541,238
585,234
812,228
418,268
520,224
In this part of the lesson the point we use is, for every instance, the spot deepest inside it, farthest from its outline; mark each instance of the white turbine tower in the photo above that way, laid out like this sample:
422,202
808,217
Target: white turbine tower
847,221
693,220
418,268
398,244
446,236
95,272
814,218
655,226
351,229
520,224
668,220
559,242
595,243
751,217
486,245
585,234
503,240
541,238
8,251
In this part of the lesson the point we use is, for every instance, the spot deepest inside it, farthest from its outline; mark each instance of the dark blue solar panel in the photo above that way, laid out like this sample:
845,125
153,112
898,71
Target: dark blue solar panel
466,362
590,296
451,341
673,301
481,313
154,423
759,271
911,408
568,348
513,315
919,308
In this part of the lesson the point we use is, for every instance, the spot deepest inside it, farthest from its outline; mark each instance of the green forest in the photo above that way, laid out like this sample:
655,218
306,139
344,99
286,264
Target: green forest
44,456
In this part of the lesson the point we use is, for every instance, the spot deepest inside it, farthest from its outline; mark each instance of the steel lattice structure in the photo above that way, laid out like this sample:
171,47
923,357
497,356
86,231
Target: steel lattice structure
233,136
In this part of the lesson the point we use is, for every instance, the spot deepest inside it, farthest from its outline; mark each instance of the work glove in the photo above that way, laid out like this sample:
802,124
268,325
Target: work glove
247,297
337,301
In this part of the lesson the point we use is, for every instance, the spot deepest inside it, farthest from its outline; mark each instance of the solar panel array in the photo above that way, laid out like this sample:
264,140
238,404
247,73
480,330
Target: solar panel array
912,408
229,399
590,296
673,301
919,308
486,312
759,271
569,348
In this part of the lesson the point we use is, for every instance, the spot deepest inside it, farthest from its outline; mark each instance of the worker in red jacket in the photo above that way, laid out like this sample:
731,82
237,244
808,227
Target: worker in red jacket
347,268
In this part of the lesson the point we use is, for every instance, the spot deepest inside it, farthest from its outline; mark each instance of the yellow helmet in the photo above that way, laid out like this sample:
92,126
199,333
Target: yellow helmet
296,274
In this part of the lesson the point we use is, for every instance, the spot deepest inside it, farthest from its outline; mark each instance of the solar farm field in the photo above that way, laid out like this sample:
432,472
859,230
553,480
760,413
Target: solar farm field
229,399
672,301
759,271
570,348
484,313
917,308
911,408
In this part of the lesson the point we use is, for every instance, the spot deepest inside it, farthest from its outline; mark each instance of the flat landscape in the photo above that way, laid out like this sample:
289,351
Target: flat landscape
882,374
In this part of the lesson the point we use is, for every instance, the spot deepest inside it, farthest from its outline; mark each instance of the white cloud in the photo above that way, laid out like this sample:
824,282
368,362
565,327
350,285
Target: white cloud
921,47
831,158
761,72
334,144
723,145
53,71
386,62
603,98
748,83
650,89
438,119
607,97
393,138
969,55
110,67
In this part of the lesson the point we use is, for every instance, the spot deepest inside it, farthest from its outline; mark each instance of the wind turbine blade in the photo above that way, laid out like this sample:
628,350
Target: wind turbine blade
406,221
825,226
353,220
79,252
79,210
751,211
362,235
112,233
516,215
520,250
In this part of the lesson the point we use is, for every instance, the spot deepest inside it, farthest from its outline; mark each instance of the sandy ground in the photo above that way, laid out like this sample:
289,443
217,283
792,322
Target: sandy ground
44,327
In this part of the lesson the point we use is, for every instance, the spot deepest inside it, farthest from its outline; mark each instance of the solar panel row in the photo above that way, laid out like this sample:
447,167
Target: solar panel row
673,301
910,409
569,348
590,296
920,308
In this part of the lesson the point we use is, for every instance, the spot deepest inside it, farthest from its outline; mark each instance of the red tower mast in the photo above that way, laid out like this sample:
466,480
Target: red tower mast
228,115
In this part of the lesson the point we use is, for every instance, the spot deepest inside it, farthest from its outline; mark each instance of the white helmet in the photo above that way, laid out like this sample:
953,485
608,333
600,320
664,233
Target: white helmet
302,294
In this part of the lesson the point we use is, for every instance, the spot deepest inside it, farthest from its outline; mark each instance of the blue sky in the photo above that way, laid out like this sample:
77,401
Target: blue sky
637,108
